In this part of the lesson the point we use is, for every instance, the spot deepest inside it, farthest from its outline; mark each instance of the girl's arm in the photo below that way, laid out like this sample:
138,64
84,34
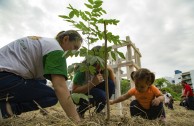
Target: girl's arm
161,98
157,100
120,99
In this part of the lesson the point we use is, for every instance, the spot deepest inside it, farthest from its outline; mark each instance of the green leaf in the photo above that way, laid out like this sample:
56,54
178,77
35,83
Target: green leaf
97,5
76,12
113,55
92,40
84,16
98,2
121,54
77,96
95,14
101,61
103,11
100,36
92,70
70,53
88,13
71,14
88,6
64,16
91,1
97,10
83,68
109,48
77,53
83,51
67,54
70,6
93,60
71,21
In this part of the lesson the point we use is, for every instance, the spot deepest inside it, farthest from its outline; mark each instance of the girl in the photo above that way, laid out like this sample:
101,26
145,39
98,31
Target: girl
149,100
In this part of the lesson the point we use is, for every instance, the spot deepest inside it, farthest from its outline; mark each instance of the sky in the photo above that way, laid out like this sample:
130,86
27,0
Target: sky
163,30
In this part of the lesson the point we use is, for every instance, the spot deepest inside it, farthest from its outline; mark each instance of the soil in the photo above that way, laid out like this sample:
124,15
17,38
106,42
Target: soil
56,117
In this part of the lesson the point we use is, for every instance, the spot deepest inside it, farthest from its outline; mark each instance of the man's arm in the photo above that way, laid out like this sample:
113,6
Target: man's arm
63,95
84,88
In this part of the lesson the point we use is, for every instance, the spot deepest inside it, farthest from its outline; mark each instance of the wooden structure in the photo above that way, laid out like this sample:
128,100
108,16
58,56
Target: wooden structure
131,63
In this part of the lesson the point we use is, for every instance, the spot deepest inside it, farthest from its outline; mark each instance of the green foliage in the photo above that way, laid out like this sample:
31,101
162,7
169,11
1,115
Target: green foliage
176,95
125,85
161,82
174,89
90,22
77,96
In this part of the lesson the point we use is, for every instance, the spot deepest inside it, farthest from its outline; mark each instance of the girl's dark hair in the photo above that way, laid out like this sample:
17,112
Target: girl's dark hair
143,73
73,36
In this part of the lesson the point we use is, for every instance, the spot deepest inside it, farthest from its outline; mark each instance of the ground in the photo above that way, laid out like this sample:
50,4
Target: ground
56,117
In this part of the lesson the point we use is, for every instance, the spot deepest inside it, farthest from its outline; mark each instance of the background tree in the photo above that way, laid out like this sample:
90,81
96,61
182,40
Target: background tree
161,82
174,89
125,85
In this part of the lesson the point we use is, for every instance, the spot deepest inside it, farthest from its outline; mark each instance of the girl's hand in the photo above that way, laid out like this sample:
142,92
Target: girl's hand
156,102
111,102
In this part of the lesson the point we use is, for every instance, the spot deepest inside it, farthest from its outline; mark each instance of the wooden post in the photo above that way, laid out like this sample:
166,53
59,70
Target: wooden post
106,75
118,86
129,58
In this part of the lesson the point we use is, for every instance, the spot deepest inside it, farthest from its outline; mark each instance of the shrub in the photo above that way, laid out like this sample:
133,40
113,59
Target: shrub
125,85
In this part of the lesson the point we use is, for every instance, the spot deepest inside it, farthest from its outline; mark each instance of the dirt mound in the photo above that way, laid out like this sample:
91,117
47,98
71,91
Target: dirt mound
56,117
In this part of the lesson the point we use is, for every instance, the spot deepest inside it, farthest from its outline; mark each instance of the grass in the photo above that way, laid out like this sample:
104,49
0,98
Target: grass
56,117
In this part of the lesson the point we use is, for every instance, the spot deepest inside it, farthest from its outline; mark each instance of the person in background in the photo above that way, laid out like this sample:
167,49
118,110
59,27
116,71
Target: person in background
25,65
149,99
168,102
93,85
187,96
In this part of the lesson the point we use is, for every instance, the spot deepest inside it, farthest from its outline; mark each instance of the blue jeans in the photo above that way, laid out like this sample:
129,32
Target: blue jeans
154,112
99,97
22,93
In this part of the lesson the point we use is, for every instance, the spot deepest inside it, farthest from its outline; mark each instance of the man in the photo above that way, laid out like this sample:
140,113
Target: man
187,96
